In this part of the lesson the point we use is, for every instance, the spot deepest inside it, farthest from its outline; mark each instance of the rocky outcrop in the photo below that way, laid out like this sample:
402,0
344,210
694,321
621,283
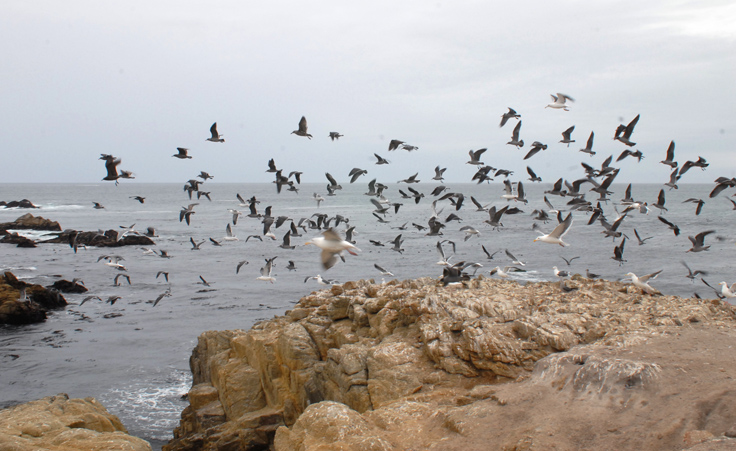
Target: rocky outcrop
61,424
28,221
25,203
32,309
397,366
66,286
106,239
19,240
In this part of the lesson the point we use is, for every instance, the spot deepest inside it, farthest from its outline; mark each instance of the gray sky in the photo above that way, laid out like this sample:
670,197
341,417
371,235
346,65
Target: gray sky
138,79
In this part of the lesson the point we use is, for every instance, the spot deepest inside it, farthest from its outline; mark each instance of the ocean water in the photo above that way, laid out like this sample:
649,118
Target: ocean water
133,357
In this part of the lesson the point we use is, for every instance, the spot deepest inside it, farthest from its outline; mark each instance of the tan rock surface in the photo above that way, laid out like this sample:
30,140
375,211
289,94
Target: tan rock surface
413,365
57,423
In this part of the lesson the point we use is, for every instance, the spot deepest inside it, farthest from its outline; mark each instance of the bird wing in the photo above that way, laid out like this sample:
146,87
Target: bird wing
650,276
213,130
330,179
303,124
562,227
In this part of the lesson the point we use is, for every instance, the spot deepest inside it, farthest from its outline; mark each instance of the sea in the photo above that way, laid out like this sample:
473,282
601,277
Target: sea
133,357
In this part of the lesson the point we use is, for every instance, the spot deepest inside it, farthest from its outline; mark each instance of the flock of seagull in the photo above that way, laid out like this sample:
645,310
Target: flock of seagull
333,246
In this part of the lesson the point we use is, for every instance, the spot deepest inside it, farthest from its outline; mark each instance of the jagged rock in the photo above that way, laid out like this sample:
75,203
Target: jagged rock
25,203
415,356
14,311
61,424
28,221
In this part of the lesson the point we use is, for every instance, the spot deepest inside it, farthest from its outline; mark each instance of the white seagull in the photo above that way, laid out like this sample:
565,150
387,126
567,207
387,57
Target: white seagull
555,237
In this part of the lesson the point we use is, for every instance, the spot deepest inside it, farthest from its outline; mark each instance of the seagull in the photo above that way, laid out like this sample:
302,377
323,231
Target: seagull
240,264
229,236
672,226
332,245
674,177
266,271
272,166
670,159
383,271
515,141
566,136
693,274
321,280
394,144
287,242
355,173
469,232
568,261
475,156
302,131
187,212
699,202
627,153
97,205
335,135
555,237
589,145
489,256
559,101
291,266
591,275
195,246
111,164
412,179
697,241
503,273
660,201
318,198
641,240
380,159
641,282
536,147
444,261
532,176
508,115
165,294
514,260
627,131
215,242
333,183
203,282
182,153
164,273
204,176
397,244
117,283
559,273
726,291
438,173
700,163
113,299
495,217
216,137
138,198
618,252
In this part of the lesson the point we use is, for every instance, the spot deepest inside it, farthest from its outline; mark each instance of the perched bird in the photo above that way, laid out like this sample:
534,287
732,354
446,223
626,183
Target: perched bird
216,137
560,273
182,153
559,101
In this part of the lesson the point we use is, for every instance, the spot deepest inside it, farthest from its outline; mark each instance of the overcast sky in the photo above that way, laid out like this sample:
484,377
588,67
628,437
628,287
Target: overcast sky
138,79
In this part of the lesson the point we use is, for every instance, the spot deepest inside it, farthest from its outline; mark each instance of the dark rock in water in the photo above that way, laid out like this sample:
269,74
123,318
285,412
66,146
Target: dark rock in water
48,299
66,286
25,203
17,312
21,241
109,239
28,221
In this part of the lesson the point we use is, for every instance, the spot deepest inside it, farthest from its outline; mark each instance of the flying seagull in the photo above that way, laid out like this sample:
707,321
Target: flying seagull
302,131
623,132
332,246
641,282
508,115
698,240
566,139
216,137
515,141
555,237
559,101
589,145
182,153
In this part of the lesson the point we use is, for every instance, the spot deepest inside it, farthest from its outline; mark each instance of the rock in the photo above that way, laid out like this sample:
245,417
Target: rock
25,203
61,424
17,312
66,286
20,240
28,221
413,365
109,239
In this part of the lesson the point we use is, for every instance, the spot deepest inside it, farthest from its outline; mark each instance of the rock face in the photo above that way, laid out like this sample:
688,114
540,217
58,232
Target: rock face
413,365
16,312
61,424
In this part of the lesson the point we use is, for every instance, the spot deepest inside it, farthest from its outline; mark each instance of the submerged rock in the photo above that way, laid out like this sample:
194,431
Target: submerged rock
400,365
61,424
106,239
25,203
